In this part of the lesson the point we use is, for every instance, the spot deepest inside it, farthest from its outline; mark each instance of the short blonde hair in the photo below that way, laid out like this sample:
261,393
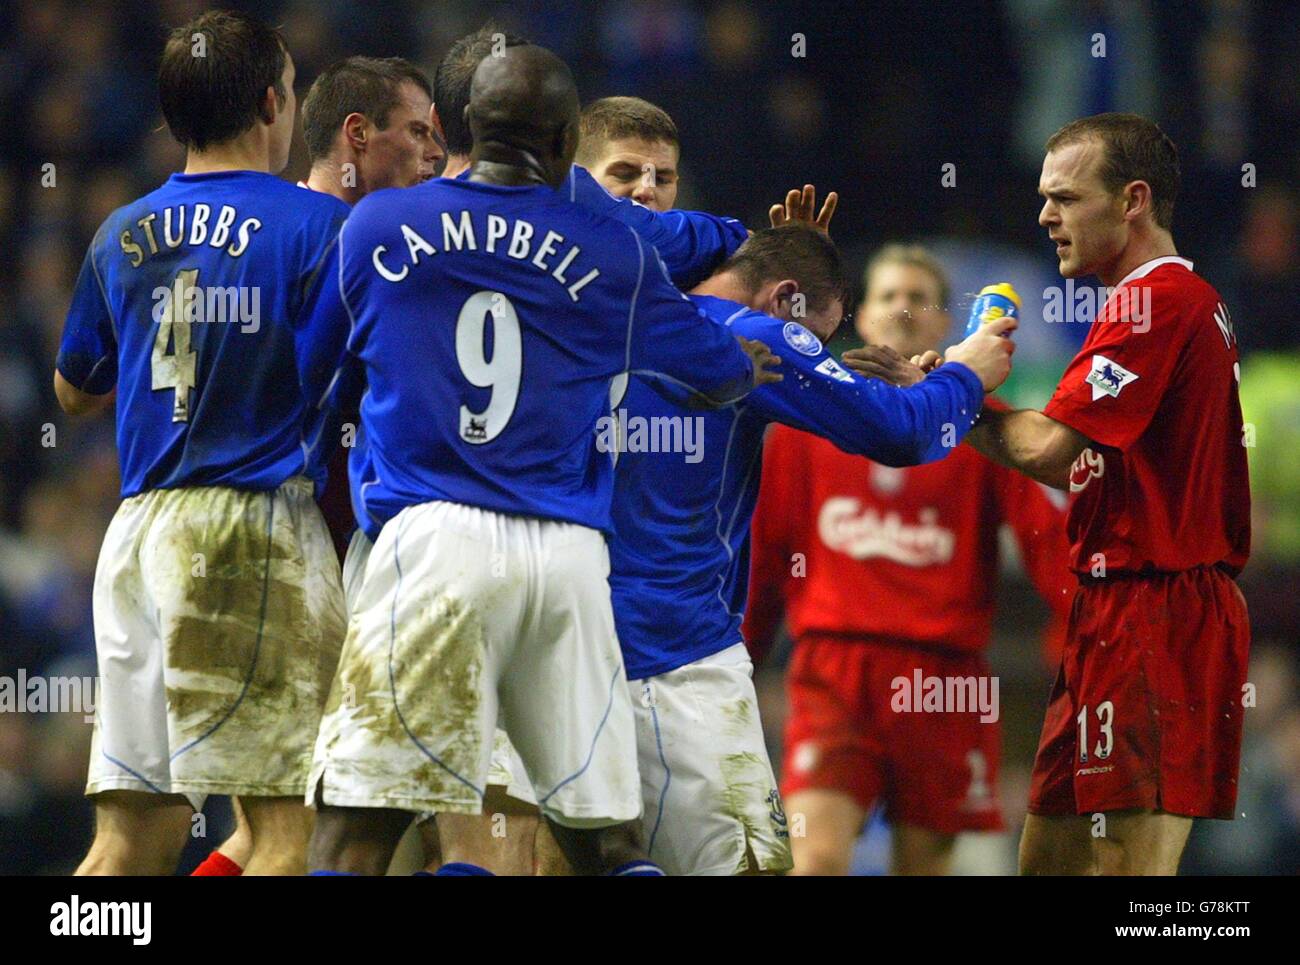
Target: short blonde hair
616,118
917,256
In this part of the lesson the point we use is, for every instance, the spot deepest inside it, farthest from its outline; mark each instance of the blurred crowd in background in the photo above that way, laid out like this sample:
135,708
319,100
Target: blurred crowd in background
870,99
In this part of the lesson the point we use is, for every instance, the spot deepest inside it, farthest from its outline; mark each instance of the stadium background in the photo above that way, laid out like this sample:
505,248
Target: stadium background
882,97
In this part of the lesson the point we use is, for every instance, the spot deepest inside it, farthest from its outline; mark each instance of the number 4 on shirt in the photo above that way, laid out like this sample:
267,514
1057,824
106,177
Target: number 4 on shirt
175,369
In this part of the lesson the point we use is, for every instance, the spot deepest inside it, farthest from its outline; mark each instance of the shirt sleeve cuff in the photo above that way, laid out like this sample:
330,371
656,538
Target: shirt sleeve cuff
969,381
93,376
1068,414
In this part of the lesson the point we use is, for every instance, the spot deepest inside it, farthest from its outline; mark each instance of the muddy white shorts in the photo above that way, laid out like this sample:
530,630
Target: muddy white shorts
466,616
354,566
505,770
711,800
218,625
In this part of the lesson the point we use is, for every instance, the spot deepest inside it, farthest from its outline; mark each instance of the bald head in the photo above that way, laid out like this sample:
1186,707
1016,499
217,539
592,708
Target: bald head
523,111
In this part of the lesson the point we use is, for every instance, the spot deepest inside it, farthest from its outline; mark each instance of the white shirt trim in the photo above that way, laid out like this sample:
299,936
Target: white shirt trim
1147,267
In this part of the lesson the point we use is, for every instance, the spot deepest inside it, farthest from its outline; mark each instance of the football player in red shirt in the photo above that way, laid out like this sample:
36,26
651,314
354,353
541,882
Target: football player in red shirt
882,574
1143,729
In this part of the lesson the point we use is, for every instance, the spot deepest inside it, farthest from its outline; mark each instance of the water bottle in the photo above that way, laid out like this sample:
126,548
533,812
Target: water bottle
993,302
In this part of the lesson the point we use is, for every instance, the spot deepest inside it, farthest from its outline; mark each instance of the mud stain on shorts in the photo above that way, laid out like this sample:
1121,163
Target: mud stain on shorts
242,648
438,682
401,701
749,798
738,716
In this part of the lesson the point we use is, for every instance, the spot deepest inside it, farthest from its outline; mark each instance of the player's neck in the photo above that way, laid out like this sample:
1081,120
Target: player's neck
327,177
1157,244
248,153
511,175
457,164
725,284
495,162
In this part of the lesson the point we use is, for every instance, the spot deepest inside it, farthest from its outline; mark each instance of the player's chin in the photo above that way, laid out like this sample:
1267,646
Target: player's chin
1070,266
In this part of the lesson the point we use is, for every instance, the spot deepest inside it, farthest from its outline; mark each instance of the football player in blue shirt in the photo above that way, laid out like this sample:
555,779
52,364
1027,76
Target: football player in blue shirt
619,137
218,602
691,244
368,124
685,488
491,316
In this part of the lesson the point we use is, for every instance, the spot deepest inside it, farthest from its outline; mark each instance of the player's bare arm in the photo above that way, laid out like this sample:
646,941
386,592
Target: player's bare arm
1030,442
76,402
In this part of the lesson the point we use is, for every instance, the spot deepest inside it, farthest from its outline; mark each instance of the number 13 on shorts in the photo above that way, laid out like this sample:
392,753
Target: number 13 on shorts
1105,720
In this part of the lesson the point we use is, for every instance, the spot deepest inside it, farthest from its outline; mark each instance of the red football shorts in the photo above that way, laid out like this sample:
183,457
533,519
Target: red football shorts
847,732
1146,711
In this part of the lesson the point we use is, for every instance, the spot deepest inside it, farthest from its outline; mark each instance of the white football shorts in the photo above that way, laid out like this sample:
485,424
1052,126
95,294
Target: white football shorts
465,617
505,769
219,619
711,802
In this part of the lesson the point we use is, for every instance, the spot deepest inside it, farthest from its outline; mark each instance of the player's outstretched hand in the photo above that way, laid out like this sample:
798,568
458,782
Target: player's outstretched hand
799,206
763,359
882,362
987,353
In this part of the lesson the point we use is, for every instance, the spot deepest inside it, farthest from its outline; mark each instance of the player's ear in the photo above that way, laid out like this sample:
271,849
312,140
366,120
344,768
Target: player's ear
354,130
436,123
269,107
566,142
1137,199
782,301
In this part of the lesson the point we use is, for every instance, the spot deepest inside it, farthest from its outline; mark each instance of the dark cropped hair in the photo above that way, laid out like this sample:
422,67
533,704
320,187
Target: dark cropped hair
796,251
1135,150
214,73
452,80
360,85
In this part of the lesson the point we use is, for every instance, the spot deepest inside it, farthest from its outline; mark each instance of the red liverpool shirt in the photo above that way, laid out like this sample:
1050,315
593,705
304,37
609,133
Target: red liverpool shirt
847,546
1164,487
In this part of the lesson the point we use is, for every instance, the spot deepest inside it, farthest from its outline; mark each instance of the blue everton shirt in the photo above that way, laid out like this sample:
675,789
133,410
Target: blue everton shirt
490,321
687,481
690,243
193,302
